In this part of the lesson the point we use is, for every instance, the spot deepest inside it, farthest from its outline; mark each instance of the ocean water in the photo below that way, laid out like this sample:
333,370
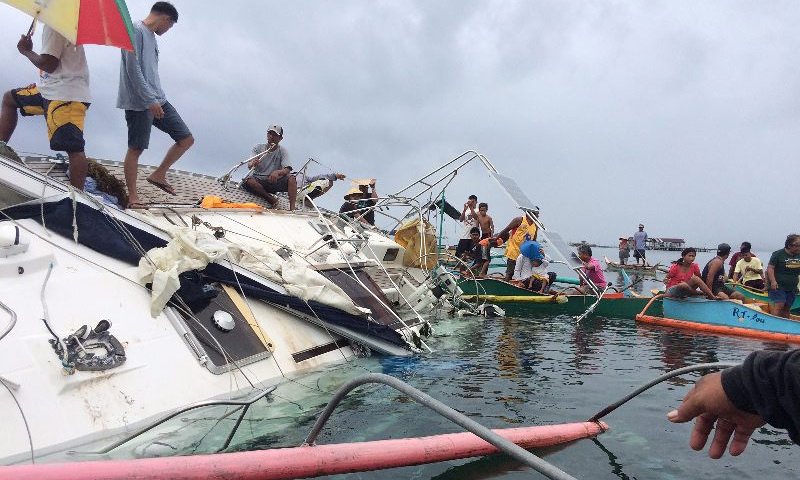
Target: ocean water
511,372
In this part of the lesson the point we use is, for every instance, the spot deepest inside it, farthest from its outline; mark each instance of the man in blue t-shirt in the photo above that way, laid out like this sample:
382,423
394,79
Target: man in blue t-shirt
639,245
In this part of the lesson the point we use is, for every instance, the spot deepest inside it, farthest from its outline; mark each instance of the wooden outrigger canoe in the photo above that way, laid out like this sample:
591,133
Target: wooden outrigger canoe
727,317
519,302
760,296
632,267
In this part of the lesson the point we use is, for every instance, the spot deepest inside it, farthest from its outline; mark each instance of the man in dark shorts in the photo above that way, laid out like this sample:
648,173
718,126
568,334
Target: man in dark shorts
714,275
783,272
62,96
145,103
477,253
640,245
270,170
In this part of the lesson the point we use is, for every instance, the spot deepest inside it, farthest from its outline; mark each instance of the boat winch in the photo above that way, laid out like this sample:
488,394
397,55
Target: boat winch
92,350
13,240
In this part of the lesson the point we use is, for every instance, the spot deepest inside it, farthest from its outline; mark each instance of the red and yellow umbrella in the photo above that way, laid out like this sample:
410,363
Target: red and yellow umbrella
95,22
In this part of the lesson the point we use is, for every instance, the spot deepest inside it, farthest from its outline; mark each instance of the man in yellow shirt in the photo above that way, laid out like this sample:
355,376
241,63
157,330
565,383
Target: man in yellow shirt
750,270
518,230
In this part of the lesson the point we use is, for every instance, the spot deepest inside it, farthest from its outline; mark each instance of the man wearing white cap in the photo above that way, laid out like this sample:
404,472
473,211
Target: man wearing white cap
270,170
640,245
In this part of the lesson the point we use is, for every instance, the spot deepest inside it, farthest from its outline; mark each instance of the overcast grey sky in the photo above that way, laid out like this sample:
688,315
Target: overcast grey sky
683,115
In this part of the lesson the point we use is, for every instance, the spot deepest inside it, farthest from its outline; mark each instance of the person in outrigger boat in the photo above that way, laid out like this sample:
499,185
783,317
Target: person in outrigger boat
530,270
478,253
624,250
271,171
749,270
736,256
683,278
714,275
517,231
591,269
783,272
485,221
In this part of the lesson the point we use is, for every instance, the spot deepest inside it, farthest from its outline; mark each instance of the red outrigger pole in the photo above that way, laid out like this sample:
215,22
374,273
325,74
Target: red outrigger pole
306,461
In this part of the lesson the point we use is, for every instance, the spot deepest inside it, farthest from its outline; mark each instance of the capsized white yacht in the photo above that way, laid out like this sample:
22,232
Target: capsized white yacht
114,317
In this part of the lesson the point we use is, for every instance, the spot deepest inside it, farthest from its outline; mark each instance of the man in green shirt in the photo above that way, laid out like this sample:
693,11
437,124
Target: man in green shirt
782,275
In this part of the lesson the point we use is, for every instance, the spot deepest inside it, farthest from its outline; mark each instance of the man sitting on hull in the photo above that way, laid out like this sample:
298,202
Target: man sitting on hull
271,171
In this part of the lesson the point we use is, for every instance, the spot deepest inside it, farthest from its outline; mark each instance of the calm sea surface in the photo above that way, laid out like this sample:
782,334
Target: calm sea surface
512,372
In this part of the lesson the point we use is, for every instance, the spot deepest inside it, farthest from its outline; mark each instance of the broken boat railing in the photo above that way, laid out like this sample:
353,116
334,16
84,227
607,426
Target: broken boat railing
502,444
359,240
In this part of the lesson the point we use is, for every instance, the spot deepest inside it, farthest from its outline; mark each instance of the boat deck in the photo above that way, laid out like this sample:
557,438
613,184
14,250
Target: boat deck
190,187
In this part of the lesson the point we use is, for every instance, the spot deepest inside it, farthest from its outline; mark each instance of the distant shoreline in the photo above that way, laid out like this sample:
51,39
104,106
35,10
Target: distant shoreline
594,245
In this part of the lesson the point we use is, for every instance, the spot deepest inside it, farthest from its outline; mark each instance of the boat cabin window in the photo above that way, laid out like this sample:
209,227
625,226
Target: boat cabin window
9,197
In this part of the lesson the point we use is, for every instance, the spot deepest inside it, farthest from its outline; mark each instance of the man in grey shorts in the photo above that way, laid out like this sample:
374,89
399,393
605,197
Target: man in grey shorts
145,104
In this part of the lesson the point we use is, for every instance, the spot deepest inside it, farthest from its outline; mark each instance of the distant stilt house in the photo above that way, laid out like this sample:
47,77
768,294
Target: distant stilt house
663,243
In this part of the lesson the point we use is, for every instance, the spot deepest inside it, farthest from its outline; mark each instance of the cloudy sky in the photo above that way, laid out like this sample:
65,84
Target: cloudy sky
683,115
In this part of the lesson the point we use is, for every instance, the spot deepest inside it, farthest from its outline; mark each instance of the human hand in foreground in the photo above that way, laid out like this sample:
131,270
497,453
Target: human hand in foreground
708,403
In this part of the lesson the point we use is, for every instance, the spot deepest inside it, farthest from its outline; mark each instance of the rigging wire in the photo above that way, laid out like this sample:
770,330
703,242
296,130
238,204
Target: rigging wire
181,306
136,245
125,232
354,276
672,373
351,272
24,418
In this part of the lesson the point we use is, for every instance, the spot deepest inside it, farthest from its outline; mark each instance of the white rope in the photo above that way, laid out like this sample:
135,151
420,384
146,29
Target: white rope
74,214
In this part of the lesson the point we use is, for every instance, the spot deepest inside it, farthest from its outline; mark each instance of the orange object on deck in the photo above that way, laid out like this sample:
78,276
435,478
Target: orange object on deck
213,201
306,461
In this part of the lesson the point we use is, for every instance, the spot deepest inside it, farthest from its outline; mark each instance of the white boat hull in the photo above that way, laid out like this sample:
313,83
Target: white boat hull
160,373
